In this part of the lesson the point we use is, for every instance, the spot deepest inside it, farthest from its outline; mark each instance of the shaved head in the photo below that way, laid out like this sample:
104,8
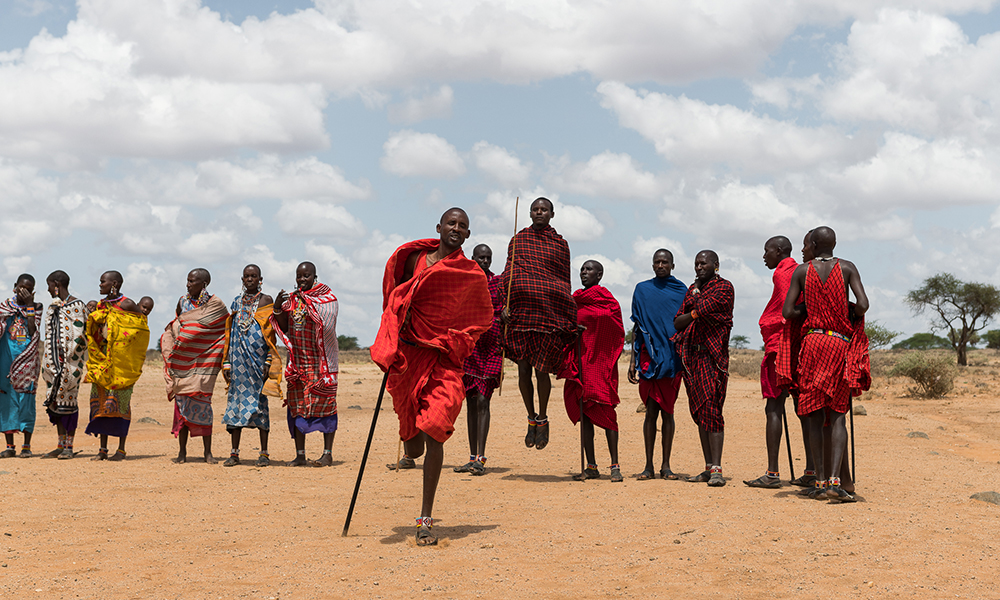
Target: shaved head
711,255
202,274
781,243
547,201
59,278
823,238
670,255
116,277
451,210
307,265
595,265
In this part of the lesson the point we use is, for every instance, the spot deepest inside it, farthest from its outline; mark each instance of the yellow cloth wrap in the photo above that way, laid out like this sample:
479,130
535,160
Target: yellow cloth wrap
116,342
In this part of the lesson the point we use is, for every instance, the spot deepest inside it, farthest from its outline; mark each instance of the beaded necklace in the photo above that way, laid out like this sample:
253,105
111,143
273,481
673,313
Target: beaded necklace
299,314
248,309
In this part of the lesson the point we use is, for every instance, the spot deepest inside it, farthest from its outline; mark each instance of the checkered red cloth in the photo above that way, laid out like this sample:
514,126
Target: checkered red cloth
542,311
482,368
704,349
823,358
602,342
313,352
430,324
771,322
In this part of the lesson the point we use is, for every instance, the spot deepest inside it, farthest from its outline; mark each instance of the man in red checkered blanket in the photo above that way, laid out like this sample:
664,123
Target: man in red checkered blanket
591,367
540,319
482,371
833,361
435,306
306,321
703,323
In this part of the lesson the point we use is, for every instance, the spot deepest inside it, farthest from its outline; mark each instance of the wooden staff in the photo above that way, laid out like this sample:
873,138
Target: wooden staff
364,458
850,409
506,305
788,442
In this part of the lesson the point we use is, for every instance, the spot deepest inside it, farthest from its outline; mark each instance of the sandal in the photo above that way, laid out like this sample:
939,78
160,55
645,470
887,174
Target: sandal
645,475
616,475
764,481
264,460
668,474
232,461
817,492
54,453
702,477
716,479
542,434
477,469
66,454
466,468
424,536
118,456
25,453
102,454
839,494
8,453
806,481
529,438
404,463
590,472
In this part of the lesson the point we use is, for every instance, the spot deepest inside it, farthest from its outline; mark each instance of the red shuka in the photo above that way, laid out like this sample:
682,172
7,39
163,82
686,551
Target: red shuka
771,321
430,325
602,344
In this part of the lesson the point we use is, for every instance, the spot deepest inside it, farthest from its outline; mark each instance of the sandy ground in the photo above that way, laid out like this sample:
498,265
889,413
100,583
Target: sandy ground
147,528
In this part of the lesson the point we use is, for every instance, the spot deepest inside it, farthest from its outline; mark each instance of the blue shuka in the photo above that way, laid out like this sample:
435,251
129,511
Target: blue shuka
246,404
654,305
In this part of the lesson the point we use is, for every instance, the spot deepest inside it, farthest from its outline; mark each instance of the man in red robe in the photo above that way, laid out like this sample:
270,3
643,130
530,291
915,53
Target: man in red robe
703,324
435,306
777,257
591,367
540,319
833,360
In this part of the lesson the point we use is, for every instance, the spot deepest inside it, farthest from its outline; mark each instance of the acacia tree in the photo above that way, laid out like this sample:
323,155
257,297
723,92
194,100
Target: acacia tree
962,309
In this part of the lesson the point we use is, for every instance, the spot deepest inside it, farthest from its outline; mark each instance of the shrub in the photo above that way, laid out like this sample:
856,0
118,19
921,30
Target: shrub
934,375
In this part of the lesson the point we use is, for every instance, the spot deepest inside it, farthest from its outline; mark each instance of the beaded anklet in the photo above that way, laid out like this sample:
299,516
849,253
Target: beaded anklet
425,522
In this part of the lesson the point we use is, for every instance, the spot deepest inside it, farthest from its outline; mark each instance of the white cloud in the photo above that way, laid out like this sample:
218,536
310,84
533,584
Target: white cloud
499,164
268,176
616,271
576,223
14,266
412,154
691,132
431,106
309,217
608,174
210,245
33,8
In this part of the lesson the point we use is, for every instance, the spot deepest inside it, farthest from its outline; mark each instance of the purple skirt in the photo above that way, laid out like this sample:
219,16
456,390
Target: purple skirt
69,422
113,426
311,424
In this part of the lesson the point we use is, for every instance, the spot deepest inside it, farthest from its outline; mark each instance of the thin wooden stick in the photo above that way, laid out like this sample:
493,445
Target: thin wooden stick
788,442
364,458
506,305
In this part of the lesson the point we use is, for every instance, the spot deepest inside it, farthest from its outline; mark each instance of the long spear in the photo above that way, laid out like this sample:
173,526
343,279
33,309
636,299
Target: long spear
364,458
506,305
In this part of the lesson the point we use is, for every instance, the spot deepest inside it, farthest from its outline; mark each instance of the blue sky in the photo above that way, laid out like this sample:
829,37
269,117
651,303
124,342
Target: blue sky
154,136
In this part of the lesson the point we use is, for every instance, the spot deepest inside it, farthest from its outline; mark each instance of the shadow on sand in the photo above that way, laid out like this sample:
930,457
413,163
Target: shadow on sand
404,533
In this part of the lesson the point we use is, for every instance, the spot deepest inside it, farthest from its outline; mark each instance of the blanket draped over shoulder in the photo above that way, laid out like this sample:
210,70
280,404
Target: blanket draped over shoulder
654,304
430,324
320,308
192,347
116,346
710,331
482,368
601,342
542,311
26,365
65,355
266,333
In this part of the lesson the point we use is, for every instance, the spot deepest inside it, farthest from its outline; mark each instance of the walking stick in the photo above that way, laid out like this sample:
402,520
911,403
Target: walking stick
854,472
579,371
364,457
788,442
506,304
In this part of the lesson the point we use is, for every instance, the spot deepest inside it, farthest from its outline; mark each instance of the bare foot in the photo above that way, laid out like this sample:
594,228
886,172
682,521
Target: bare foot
181,458
300,461
325,461
210,459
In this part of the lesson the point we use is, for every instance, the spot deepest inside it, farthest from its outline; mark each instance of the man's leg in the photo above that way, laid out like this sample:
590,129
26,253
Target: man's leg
773,430
527,389
667,443
234,455
837,432
432,475
182,441
846,477
483,425
649,436
327,459
612,437
715,440
814,421
472,424
807,478
544,390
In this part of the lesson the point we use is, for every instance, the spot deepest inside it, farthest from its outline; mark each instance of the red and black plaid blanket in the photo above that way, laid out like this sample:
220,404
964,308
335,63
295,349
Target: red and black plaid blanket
710,331
538,273
486,359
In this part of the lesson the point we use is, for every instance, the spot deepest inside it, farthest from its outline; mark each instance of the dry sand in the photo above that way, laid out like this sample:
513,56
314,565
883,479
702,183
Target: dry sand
147,528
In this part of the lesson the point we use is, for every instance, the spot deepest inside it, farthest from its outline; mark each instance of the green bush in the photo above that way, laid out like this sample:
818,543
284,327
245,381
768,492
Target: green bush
934,375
